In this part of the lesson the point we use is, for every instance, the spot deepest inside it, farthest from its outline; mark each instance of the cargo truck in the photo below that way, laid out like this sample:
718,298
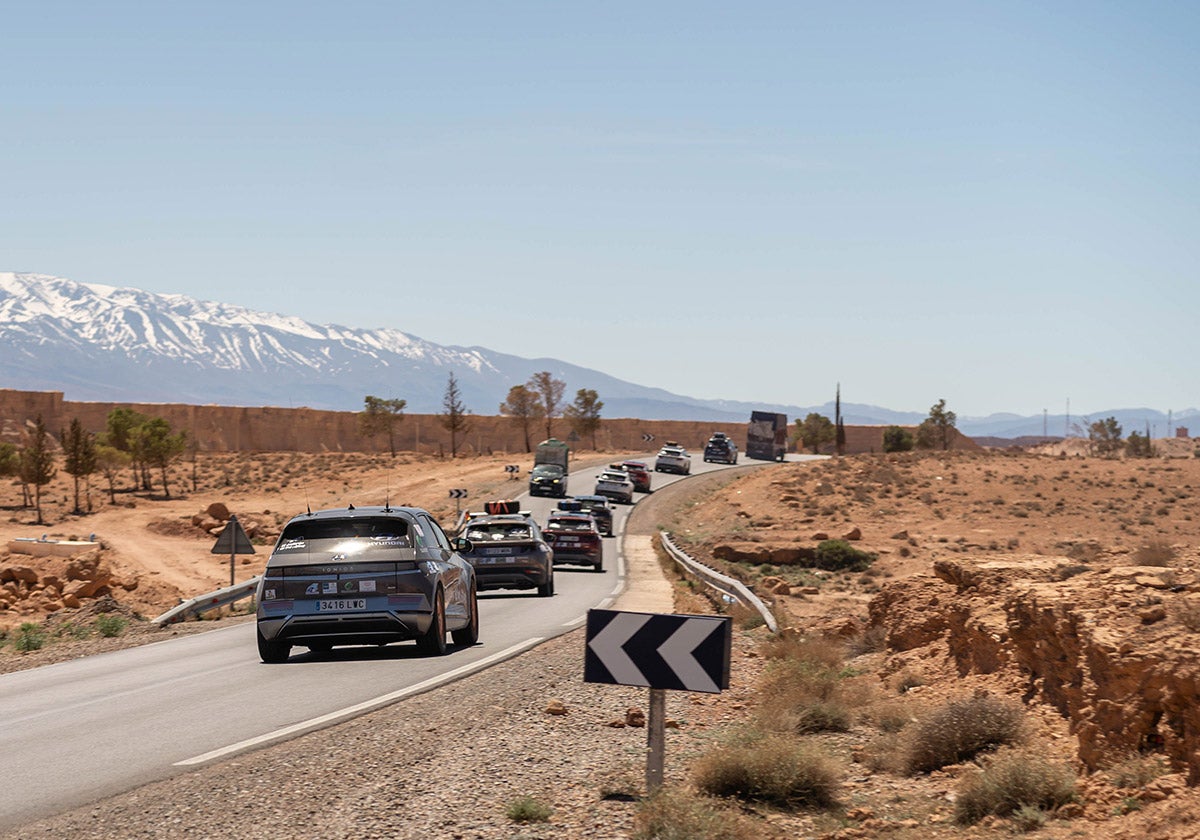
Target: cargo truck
766,436
549,475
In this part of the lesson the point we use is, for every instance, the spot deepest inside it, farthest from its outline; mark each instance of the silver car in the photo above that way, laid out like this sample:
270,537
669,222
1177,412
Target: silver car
673,458
616,485
365,576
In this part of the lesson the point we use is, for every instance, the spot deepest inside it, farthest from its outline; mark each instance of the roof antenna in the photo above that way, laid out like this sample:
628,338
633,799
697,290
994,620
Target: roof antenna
307,506
387,496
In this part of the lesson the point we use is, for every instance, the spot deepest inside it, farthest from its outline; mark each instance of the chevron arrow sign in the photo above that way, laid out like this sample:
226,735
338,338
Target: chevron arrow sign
682,652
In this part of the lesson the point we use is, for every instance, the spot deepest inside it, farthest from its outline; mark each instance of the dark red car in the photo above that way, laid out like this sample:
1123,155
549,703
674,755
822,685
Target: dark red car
574,538
639,473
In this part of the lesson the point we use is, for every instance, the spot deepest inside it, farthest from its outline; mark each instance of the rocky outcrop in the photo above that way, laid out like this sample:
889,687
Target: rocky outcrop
34,586
1114,650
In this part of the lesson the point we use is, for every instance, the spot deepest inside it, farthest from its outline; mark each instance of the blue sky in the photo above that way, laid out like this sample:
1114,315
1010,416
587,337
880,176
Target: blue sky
991,203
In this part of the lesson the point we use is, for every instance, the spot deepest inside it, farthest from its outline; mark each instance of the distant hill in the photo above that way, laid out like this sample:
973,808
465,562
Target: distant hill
96,342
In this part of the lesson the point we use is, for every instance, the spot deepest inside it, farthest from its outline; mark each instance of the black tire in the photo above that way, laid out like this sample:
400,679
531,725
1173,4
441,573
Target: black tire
433,641
547,588
469,635
599,567
273,653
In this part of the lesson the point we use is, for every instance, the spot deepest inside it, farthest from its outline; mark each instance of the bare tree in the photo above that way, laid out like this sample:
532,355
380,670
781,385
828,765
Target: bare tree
522,404
550,393
454,418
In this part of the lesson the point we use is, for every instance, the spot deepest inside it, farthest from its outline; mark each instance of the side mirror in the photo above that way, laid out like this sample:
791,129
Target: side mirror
462,544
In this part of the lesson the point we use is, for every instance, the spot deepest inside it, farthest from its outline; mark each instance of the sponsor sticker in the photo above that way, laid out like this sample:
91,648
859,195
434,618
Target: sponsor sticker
268,594
290,545
313,589
366,586
349,586
329,587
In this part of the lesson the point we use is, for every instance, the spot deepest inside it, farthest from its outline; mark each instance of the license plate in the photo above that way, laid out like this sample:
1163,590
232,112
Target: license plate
500,550
568,539
341,604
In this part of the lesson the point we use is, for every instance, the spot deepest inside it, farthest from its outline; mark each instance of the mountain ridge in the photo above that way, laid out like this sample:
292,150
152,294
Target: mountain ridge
109,343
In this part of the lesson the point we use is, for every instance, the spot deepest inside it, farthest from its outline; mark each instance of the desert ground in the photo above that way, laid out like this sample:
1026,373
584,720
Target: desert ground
1052,587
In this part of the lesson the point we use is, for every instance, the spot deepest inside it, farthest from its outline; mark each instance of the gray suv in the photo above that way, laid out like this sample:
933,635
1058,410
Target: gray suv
365,576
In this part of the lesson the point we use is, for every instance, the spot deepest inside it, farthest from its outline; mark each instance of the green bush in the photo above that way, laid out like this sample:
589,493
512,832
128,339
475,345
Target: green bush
1014,783
673,814
110,625
897,439
960,730
29,637
775,769
526,809
840,556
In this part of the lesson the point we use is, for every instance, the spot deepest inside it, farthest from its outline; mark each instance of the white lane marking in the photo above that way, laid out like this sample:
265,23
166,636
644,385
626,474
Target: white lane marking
603,605
359,708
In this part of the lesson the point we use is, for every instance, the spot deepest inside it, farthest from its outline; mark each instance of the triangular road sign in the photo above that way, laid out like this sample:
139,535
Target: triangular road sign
233,539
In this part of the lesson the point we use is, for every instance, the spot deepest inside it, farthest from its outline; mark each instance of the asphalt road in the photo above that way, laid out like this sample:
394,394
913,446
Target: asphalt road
79,731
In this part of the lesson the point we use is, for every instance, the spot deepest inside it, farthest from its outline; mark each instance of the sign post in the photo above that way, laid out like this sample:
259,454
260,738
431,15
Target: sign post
233,538
458,494
680,652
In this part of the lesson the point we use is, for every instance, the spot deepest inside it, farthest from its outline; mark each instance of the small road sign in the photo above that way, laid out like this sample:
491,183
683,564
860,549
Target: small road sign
512,470
233,540
647,437
458,493
682,652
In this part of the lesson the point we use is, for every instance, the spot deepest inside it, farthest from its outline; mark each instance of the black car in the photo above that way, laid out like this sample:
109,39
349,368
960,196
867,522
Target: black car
548,480
574,538
720,448
597,506
509,552
365,576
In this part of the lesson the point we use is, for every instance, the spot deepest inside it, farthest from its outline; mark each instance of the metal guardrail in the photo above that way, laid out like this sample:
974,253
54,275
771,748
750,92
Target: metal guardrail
735,589
210,601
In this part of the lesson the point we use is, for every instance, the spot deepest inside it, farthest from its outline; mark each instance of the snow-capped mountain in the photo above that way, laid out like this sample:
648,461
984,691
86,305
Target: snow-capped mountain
97,342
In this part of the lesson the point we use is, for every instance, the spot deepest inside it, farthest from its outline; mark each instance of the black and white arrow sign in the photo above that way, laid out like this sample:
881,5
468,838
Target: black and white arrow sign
647,437
458,494
682,652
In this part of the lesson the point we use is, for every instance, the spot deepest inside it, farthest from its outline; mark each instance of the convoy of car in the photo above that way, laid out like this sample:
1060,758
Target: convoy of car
374,575
616,485
365,576
673,458
508,551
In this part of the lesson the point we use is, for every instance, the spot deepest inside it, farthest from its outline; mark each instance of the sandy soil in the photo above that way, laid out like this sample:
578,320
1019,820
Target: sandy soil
912,511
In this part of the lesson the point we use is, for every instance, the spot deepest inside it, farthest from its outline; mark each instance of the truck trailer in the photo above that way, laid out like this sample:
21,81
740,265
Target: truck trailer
766,436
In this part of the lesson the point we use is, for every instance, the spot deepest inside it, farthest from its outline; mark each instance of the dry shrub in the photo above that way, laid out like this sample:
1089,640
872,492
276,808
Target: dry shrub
871,640
806,692
1154,553
961,729
1012,782
1136,771
813,649
772,768
674,814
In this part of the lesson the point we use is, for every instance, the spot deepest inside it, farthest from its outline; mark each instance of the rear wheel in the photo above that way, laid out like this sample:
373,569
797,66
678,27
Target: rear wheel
273,652
547,588
599,566
469,635
433,641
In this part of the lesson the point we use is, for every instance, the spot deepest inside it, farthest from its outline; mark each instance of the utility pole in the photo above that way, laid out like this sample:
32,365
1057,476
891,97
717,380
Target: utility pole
1067,426
1045,420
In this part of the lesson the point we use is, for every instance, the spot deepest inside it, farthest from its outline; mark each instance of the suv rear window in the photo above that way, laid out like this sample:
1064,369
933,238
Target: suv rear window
499,531
367,527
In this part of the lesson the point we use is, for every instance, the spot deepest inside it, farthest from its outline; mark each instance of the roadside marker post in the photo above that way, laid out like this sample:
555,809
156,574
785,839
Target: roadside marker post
661,652
458,494
512,470
233,538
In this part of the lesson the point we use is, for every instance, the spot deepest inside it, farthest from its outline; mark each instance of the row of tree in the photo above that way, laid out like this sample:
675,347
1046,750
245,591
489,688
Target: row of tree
1105,439
538,400
817,430
130,439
